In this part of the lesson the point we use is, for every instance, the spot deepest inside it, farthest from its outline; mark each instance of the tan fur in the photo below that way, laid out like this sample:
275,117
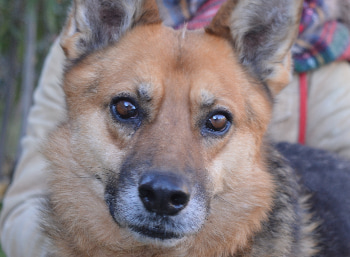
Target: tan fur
177,76
249,179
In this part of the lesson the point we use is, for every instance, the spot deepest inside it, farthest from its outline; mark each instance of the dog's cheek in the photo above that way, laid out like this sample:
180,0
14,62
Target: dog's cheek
215,175
91,139
242,191
237,167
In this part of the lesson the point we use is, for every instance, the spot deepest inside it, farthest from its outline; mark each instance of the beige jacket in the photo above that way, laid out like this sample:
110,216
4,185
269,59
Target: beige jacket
328,127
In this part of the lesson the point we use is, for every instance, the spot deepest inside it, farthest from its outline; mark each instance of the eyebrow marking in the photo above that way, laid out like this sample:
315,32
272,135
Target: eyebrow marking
143,92
207,99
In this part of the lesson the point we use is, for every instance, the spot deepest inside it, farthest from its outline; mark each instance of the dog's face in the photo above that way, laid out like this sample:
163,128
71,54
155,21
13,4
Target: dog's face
165,123
167,129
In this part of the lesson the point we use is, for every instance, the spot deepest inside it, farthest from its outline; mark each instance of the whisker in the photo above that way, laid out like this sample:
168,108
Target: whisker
83,177
224,200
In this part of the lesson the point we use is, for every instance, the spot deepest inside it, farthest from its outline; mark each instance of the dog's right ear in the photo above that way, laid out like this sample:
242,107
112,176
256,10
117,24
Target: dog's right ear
262,33
94,24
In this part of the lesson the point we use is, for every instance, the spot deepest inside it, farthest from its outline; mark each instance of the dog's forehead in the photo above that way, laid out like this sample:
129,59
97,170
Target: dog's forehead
157,63
152,59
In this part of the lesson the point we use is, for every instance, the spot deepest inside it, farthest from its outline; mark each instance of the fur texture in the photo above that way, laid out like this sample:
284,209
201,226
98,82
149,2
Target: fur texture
325,177
163,152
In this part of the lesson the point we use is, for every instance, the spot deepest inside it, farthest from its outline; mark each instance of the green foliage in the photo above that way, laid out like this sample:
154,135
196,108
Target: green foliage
49,17
1,252
50,14
10,24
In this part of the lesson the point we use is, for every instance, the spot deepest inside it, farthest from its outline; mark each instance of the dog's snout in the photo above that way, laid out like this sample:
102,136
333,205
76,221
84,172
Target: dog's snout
165,194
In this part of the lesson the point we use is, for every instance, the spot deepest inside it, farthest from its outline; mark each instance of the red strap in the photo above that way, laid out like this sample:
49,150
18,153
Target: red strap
303,107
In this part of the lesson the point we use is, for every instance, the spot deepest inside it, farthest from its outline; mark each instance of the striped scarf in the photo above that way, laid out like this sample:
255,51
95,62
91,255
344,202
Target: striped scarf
324,36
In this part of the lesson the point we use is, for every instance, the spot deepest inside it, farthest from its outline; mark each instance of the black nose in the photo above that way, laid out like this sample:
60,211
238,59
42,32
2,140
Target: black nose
165,194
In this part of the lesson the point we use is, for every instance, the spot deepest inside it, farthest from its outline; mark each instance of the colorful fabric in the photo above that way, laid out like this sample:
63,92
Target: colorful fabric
323,37
203,15
182,10
321,40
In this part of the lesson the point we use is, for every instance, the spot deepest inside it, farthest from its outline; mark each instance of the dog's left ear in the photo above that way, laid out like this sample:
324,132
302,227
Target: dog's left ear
93,24
262,33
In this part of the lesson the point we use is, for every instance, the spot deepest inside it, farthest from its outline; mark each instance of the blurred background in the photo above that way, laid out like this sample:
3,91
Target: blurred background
27,29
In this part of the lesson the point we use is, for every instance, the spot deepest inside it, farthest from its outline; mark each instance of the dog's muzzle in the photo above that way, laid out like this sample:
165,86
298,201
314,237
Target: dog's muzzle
164,194
157,205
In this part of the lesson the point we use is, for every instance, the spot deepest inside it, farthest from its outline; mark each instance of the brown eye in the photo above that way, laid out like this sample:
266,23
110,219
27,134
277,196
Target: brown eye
217,124
126,110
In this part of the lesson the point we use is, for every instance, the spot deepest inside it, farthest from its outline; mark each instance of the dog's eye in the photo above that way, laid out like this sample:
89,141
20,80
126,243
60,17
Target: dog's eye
217,123
124,109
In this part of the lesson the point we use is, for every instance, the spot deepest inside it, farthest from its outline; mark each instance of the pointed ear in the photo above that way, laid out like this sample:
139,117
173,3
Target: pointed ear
93,24
262,33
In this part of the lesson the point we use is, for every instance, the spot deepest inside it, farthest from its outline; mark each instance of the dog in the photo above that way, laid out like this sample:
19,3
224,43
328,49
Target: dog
164,149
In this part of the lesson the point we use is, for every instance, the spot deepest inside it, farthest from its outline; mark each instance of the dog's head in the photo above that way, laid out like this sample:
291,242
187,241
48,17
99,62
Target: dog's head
167,127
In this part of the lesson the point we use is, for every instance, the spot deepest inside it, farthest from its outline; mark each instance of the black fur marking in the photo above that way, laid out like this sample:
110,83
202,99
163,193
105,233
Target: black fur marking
268,92
327,178
286,217
110,15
